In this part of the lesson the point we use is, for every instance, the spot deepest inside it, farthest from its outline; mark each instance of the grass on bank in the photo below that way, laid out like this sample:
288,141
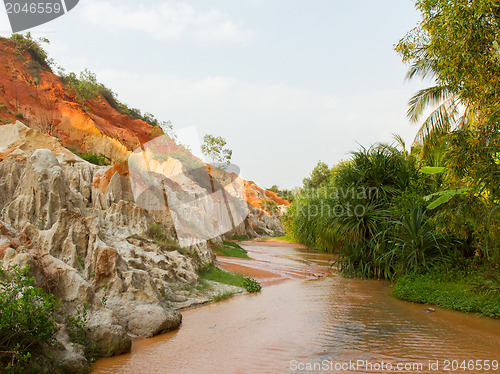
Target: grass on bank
213,273
205,288
473,291
230,249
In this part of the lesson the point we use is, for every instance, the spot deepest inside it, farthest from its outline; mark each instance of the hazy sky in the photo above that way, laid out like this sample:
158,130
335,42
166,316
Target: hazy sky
286,82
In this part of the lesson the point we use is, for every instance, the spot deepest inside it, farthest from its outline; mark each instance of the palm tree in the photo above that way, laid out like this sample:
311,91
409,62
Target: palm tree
449,112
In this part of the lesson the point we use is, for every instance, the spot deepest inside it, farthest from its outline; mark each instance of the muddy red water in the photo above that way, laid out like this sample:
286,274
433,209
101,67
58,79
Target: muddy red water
306,321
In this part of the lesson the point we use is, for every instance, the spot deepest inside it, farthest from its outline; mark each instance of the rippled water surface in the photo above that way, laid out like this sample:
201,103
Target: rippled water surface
300,319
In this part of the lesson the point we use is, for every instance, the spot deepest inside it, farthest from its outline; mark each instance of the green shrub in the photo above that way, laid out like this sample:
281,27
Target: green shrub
134,113
159,235
79,332
84,87
109,96
269,206
240,238
232,244
27,320
26,43
417,244
251,285
96,158
281,238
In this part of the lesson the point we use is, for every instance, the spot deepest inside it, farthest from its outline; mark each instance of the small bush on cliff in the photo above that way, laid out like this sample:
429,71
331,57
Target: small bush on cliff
159,235
27,321
26,43
160,127
269,206
79,332
96,158
84,87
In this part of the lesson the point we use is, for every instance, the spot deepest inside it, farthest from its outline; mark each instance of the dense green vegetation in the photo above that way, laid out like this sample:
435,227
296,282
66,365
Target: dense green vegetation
427,217
27,323
281,238
470,289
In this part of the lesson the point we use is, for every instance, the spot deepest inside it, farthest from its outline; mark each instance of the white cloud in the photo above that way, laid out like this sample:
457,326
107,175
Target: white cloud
278,132
166,21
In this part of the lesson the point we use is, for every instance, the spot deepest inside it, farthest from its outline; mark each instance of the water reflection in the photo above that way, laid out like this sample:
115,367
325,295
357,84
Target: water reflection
332,318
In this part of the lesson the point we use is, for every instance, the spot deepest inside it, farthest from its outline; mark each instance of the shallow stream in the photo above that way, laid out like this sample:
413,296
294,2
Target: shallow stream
306,319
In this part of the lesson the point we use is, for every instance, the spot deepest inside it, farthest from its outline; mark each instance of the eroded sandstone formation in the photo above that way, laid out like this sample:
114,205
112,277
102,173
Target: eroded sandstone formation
77,226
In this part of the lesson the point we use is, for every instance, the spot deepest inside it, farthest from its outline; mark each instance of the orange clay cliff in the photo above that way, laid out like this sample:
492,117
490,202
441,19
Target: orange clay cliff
31,93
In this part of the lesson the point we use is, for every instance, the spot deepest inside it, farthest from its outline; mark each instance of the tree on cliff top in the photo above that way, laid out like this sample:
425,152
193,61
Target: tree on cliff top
213,147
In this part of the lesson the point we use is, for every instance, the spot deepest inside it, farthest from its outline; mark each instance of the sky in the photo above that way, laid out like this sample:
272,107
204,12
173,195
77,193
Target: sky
286,82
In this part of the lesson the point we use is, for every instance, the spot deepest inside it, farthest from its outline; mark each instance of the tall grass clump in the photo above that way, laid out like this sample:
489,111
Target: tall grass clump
372,212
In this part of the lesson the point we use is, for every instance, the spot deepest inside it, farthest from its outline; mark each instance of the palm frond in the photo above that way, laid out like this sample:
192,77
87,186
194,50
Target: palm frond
424,98
439,122
424,66
399,141
422,69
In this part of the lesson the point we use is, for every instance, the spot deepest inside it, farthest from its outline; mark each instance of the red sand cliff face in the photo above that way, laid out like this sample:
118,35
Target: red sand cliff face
40,100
